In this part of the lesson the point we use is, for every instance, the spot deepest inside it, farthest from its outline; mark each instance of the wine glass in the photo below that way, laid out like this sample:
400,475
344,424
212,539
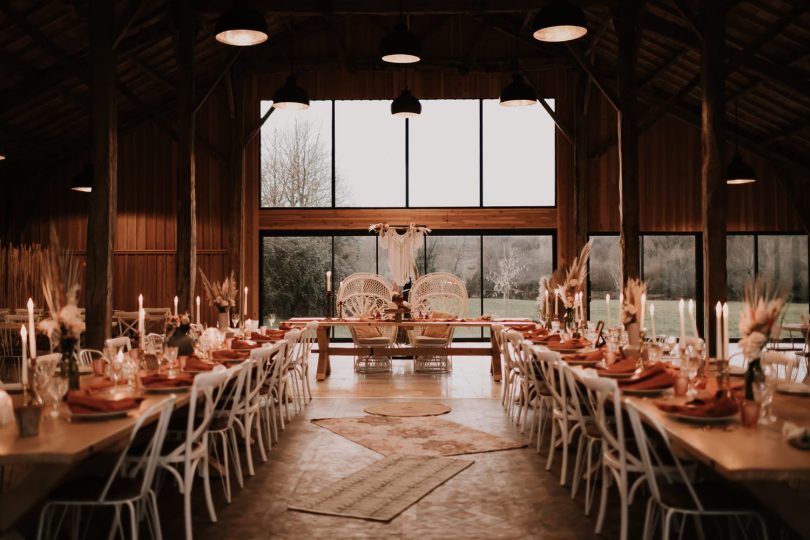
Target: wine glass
57,389
116,368
170,356
271,319
764,394
693,363
235,319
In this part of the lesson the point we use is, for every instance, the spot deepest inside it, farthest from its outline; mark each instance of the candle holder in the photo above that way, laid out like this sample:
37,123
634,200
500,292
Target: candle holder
329,305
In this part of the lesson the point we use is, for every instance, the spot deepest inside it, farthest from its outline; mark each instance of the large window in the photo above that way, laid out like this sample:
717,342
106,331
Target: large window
506,268
458,153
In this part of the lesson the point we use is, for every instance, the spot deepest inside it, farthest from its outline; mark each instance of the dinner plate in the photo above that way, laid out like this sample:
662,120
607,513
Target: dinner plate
198,370
644,391
562,351
100,415
580,362
796,388
610,375
12,388
703,419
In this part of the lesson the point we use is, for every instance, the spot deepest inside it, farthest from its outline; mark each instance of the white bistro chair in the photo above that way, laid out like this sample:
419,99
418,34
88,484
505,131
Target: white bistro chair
120,343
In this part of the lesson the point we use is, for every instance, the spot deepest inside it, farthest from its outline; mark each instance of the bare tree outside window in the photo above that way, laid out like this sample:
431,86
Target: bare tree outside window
505,278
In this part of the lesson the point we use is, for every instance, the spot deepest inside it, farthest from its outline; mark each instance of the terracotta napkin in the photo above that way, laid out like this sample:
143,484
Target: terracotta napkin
523,327
653,378
591,356
271,336
83,402
284,326
197,364
622,366
716,406
570,344
241,344
162,381
544,340
229,354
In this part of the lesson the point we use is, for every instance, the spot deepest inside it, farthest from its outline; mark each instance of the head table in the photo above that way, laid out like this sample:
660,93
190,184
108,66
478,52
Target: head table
326,351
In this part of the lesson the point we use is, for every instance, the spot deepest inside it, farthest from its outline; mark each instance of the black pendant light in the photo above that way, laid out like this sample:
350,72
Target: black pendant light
406,105
241,26
518,93
560,21
401,46
83,181
738,171
290,96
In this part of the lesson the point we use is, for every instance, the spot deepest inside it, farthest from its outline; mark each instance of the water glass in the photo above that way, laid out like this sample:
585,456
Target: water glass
170,357
57,389
271,319
763,391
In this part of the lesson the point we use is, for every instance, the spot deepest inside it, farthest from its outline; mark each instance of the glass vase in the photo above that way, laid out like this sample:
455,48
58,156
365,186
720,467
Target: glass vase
569,321
69,366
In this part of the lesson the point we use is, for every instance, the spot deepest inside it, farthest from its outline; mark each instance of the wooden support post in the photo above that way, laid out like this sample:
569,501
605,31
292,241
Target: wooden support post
712,174
186,266
237,176
104,197
627,20
581,167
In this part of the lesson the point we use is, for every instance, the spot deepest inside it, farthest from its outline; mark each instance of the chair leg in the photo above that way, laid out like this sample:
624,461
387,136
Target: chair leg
248,435
133,521
226,464
648,520
665,525
237,462
577,478
43,514
155,515
212,513
600,518
551,444
188,483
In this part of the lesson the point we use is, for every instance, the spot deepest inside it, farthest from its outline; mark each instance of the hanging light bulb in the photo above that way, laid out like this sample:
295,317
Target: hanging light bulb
560,21
241,26
291,96
738,171
518,93
83,181
406,105
401,46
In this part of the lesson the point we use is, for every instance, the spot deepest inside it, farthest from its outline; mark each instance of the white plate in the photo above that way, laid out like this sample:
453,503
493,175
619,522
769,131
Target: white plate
11,388
100,415
704,419
644,392
610,375
796,388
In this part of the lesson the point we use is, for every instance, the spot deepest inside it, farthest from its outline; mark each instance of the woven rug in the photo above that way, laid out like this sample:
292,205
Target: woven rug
423,436
408,408
383,490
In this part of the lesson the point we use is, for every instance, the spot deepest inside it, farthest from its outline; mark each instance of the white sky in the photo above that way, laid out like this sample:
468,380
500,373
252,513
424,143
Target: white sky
518,156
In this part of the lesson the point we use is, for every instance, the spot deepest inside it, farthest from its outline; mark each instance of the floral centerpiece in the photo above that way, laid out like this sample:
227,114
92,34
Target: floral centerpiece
569,289
759,323
61,277
221,295
632,309
547,292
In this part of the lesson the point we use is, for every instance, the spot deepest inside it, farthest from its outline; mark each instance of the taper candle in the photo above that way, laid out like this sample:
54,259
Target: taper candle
725,331
683,323
545,308
24,338
141,327
718,329
198,310
652,319
607,307
643,310
32,333
556,299
175,306
621,306
693,318
328,281
245,309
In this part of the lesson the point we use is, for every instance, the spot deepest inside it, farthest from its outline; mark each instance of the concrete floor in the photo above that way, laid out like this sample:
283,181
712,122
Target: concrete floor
506,494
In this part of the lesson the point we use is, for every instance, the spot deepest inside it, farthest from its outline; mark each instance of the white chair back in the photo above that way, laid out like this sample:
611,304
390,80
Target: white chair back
118,343
18,318
439,291
127,322
152,342
86,356
233,400
785,367
203,399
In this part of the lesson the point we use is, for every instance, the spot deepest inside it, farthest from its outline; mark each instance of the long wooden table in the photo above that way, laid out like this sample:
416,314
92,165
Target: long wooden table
326,350
46,459
775,472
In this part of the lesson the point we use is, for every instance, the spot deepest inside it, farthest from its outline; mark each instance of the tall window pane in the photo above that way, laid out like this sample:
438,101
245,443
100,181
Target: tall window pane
782,262
352,254
518,155
294,275
739,269
460,256
296,157
444,154
369,155
669,270
604,273
513,266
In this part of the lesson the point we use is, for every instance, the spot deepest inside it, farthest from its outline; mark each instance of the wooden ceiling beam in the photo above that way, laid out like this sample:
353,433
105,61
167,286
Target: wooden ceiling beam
232,56
151,72
475,48
302,8
669,62
788,131
128,17
594,76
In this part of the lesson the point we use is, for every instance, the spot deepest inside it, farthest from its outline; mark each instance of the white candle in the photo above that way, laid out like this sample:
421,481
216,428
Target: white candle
328,281
556,299
652,319
725,331
24,338
683,324
140,301
607,307
141,326
643,309
718,326
621,306
246,304
198,310
692,317
32,334
545,308
175,306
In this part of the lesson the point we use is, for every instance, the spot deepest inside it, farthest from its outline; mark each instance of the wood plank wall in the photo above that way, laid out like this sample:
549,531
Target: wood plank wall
144,259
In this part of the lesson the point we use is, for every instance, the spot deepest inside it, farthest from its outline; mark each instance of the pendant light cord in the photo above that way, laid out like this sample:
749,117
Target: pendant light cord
736,126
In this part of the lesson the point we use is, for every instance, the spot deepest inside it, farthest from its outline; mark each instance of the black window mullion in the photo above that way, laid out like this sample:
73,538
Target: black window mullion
334,175
481,158
407,164
481,266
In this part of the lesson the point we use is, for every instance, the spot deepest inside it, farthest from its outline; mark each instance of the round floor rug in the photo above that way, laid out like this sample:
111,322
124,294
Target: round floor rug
408,408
